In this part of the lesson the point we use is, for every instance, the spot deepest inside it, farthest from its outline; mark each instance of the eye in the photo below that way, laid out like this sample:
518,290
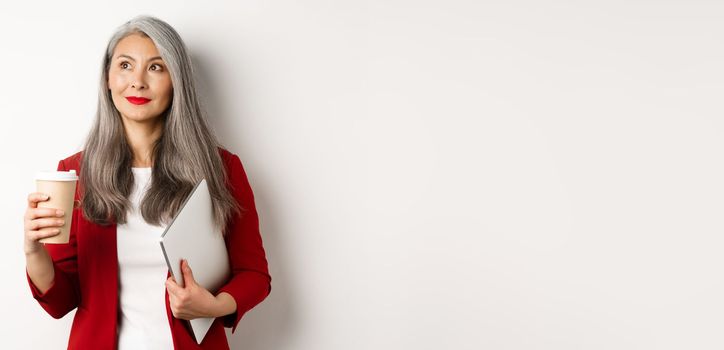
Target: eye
124,65
159,67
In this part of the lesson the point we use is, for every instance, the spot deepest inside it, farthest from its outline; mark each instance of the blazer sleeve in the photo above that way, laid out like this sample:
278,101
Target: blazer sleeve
250,282
64,294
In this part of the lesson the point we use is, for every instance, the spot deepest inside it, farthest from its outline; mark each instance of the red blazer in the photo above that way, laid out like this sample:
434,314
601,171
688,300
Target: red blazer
86,273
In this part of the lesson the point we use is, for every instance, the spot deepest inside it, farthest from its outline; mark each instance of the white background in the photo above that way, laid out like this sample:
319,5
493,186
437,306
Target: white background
429,175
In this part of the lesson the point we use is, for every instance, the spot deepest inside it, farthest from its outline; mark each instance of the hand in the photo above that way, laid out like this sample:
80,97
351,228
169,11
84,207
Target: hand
40,222
191,301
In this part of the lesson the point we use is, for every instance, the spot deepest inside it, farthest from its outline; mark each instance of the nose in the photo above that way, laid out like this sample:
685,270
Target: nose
138,81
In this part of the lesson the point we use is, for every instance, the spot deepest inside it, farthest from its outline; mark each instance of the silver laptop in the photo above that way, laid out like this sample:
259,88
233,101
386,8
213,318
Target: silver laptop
193,236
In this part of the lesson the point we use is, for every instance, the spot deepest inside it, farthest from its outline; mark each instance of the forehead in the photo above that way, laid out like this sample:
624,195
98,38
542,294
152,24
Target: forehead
137,46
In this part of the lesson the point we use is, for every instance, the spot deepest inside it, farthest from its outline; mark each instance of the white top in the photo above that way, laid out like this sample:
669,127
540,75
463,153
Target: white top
143,323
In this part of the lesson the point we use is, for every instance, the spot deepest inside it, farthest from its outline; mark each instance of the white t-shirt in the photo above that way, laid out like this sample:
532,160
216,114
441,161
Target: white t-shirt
143,323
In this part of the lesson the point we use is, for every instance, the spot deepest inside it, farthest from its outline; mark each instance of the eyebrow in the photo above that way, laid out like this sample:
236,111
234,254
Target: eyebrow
132,59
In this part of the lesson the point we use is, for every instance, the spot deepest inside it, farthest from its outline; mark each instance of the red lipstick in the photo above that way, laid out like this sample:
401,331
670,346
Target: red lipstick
137,100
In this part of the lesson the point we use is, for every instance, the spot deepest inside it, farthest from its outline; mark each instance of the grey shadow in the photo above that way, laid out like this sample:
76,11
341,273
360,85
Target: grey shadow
268,324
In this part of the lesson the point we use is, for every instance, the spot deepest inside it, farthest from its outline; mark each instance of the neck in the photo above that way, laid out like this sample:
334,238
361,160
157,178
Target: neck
141,138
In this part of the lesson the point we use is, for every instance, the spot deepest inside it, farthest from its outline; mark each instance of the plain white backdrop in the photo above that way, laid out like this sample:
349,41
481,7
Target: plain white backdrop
428,174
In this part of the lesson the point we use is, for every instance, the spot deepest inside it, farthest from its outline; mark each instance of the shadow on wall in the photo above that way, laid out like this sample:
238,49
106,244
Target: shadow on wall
271,322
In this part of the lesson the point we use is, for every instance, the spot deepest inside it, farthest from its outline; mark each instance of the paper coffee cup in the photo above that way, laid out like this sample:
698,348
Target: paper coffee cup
60,187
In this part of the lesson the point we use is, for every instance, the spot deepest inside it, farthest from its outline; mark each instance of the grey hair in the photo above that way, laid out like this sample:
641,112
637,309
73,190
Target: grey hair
186,152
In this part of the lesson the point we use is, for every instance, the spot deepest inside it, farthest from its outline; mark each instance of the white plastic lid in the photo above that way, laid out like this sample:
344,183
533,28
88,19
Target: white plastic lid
57,176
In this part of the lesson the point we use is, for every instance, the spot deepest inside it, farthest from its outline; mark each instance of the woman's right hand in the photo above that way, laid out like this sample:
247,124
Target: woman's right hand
37,219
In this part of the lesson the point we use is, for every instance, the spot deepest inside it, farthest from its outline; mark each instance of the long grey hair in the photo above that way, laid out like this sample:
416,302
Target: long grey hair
186,152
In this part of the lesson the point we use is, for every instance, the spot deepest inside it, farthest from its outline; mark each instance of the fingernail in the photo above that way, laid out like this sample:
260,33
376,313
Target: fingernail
59,212
45,196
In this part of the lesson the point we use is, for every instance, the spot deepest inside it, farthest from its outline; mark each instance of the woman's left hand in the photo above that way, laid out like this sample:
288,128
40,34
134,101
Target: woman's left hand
191,301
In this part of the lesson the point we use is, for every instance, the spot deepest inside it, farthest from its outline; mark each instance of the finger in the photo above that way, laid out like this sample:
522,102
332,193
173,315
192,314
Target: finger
37,235
35,213
172,287
36,197
185,316
34,225
187,273
177,313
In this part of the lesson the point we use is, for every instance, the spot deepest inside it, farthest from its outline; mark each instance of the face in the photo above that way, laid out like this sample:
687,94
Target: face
139,80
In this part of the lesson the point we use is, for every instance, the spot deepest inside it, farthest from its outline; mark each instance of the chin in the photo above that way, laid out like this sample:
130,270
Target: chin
140,118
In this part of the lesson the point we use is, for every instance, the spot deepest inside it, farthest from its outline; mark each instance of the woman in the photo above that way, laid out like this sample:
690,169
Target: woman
149,146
